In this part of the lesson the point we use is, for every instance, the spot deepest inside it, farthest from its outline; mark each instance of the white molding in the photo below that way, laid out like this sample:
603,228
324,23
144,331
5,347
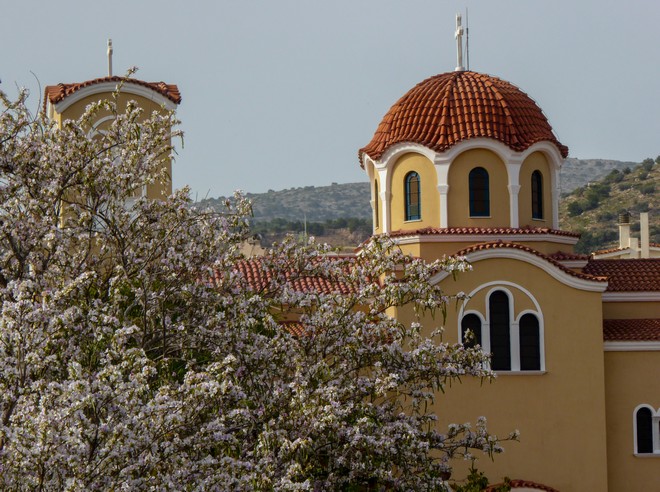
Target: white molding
483,238
391,155
532,259
497,147
520,373
646,296
514,326
655,420
108,87
634,346
573,263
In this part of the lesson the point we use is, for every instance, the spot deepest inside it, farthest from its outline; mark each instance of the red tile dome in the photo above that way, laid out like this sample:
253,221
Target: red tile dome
446,109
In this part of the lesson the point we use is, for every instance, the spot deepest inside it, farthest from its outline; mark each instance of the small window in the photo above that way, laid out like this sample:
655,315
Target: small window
500,331
647,430
530,346
471,322
413,196
537,195
376,208
479,193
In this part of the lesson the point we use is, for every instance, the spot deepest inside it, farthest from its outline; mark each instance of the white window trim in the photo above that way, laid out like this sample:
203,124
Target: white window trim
655,431
514,327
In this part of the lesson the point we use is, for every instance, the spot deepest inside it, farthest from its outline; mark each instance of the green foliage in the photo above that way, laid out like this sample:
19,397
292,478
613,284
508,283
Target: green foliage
574,209
477,482
592,209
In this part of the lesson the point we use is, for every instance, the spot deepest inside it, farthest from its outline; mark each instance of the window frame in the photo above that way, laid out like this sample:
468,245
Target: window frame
479,338
514,325
655,431
410,194
479,192
537,195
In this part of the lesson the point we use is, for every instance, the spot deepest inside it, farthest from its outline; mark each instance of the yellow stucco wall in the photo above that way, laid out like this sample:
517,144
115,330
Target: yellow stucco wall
430,200
534,162
551,410
631,310
432,250
458,206
631,380
76,110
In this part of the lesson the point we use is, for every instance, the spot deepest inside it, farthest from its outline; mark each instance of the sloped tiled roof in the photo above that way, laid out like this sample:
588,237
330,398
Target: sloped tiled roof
614,250
634,275
503,244
259,277
631,330
446,109
493,231
56,93
564,256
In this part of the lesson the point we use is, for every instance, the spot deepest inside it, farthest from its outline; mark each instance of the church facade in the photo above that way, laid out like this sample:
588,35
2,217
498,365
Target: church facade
467,164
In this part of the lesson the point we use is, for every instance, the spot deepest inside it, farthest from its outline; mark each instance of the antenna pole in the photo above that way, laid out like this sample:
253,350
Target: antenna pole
109,57
467,38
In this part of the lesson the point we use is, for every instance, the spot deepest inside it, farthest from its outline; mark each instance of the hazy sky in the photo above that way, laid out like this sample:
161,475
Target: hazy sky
283,93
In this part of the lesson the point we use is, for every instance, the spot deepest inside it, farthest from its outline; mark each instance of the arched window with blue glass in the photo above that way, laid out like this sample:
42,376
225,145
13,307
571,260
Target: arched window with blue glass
479,192
413,192
537,195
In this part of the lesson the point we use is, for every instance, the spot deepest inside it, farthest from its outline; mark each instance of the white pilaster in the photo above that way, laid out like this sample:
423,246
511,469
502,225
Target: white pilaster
514,190
513,165
441,164
443,189
385,200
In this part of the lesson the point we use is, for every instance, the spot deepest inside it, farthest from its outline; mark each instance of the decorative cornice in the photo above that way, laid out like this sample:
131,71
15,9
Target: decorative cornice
572,279
632,346
631,297
109,87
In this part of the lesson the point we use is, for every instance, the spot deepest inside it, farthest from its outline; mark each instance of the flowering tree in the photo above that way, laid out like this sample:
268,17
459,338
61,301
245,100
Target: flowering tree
139,351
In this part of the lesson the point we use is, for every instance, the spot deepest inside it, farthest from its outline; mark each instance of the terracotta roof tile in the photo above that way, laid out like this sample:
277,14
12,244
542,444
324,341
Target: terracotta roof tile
627,275
502,245
564,256
446,109
522,484
295,328
614,250
631,330
56,93
259,277
482,230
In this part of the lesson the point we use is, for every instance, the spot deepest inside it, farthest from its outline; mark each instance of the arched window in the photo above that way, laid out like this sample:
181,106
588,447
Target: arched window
530,346
413,196
376,202
471,322
479,193
500,333
537,195
644,430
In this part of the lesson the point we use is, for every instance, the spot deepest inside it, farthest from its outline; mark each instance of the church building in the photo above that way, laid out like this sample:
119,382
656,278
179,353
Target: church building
467,164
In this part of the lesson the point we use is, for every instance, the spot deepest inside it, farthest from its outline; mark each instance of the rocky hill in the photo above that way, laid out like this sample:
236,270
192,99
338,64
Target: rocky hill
593,191
593,209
